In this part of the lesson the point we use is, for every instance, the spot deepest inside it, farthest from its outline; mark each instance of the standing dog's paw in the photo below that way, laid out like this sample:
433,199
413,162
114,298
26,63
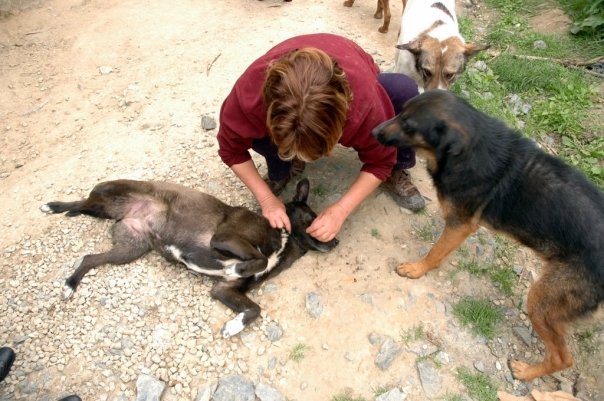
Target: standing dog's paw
519,369
233,326
412,270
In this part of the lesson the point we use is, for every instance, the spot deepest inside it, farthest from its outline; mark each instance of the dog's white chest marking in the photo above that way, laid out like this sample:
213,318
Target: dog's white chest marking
274,258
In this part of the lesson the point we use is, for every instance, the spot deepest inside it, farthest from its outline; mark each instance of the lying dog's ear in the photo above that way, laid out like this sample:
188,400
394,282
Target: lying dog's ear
471,49
415,47
302,191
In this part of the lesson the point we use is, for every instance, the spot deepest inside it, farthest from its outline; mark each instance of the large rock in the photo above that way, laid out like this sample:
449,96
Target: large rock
234,388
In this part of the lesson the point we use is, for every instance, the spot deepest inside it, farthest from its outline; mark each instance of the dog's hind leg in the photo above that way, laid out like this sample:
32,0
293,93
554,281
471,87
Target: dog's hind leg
125,250
72,208
558,297
233,296
451,238
383,9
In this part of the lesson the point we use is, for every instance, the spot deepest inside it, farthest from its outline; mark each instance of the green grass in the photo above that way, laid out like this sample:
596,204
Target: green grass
479,386
480,315
298,352
453,397
562,98
343,397
587,341
464,251
375,233
504,278
413,334
380,390
319,190
424,232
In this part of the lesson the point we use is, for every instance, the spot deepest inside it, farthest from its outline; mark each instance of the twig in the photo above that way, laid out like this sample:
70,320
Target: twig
33,33
34,109
567,63
211,64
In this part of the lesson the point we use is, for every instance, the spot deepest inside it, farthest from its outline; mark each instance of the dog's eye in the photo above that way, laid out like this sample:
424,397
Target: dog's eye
449,76
426,73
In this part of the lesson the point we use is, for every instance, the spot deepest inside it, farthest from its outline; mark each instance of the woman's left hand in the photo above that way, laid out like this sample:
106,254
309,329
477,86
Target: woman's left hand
328,224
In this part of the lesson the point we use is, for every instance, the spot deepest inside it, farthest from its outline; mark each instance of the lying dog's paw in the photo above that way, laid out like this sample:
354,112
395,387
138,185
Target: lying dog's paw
233,326
67,292
412,270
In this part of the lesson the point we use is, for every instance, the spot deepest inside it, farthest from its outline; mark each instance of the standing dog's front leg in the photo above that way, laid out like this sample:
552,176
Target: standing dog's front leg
233,296
451,238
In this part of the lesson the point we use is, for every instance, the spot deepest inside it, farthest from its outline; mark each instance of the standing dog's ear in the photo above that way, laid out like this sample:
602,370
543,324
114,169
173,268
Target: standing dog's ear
451,141
415,47
302,191
471,49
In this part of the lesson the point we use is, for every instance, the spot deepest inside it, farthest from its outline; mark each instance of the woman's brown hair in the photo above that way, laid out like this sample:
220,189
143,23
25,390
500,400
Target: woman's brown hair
307,98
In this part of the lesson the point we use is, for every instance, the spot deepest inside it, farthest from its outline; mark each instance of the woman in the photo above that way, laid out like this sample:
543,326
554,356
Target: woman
295,103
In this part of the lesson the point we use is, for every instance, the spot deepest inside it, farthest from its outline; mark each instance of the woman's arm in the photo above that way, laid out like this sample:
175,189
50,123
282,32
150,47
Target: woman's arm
272,207
328,224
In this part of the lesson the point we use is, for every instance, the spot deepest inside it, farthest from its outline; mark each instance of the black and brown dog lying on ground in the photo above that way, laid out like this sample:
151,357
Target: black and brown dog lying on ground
487,174
232,244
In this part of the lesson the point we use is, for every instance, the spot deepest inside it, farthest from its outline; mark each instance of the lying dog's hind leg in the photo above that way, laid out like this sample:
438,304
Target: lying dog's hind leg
233,296
450,239
118,255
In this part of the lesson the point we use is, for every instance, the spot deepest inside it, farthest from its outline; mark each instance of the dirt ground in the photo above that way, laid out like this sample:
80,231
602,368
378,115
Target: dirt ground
95,90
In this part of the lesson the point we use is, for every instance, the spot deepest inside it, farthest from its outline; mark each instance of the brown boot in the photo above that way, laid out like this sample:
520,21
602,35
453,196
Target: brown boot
296,169
402,190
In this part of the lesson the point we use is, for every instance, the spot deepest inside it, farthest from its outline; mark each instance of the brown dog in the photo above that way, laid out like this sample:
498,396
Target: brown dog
487,174
383,9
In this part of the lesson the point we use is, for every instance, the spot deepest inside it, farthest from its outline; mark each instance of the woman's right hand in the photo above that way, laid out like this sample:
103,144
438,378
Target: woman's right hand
274,211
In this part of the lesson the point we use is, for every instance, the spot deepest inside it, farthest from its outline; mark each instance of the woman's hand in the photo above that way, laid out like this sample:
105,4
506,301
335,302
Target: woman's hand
328,224
274,211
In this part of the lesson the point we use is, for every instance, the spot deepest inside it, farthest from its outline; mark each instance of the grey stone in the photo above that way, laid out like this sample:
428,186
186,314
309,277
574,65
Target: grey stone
314,306
234,388
479,366
430,379
374,338
273,331
524,334
393,395
267,393
20,339
443,357
480,65
148,388
422,348
208,122
389,351
204,393
539,44
367,298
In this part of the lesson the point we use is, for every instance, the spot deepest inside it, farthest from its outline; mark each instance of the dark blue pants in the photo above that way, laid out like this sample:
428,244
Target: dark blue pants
399,87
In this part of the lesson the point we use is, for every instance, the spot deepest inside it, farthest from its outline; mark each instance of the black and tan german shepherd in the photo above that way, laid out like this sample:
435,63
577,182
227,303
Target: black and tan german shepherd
488,174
